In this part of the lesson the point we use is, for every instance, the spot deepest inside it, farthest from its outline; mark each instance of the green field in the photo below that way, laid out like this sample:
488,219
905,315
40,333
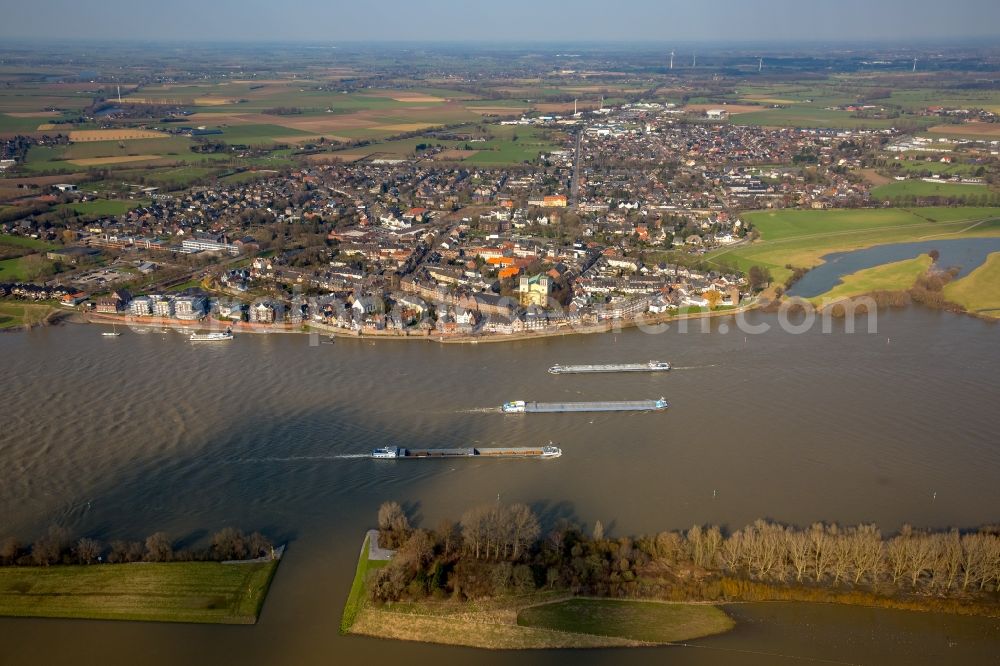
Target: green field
24,241
895,276
802,237
15,270
809,117
647,621
979,291
14,313
922,189
166,150
103,207
168,592
356,597
935,167
501,148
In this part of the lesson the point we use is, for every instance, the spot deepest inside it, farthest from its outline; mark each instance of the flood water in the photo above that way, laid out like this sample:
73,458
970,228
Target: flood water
966,254
121,437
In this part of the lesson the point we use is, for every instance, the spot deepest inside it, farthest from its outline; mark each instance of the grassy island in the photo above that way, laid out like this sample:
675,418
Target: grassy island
979,291
490,580
209,592
895,276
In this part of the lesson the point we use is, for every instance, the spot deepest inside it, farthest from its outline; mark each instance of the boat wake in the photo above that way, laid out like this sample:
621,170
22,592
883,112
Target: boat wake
694,367
480,410
270,459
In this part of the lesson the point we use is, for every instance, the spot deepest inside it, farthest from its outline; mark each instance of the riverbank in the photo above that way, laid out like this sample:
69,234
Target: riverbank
201,592
543,621
648,320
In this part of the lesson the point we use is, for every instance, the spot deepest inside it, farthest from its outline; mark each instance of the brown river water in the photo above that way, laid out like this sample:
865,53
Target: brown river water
121,437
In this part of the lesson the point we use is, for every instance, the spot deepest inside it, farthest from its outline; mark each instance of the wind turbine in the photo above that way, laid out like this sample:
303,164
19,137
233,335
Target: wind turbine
671,59
760,65
694,60
914,64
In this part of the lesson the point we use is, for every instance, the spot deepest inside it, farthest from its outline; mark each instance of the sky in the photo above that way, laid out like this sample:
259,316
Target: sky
501,20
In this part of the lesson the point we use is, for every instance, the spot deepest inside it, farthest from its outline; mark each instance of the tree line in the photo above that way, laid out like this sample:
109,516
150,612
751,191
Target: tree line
57,547
494,550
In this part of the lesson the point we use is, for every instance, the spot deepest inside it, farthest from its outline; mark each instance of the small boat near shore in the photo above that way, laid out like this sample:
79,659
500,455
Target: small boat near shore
212,337
113,333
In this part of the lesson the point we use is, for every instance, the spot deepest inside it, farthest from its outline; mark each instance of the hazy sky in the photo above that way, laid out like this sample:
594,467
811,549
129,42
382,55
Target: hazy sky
501,20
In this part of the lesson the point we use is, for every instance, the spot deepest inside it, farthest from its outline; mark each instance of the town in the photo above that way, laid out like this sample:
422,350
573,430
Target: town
624,214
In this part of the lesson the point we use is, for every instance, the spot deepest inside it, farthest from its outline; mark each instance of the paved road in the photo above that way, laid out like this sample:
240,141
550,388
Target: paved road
574,190
374,551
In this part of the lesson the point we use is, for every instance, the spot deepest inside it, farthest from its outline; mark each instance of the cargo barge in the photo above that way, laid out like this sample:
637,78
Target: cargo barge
398,452
522,407
651,366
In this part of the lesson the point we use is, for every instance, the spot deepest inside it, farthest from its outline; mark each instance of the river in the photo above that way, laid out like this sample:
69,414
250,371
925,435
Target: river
121,437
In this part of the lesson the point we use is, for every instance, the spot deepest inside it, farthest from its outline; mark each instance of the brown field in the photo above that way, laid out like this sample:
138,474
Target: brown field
48,126
213,101
79,136
968,129
875,178
731,108
97,161
454,154
33,114
764,99
405,96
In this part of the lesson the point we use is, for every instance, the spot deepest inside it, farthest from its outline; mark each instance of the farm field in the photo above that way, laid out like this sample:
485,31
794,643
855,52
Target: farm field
936,167
895,276
802,237
80,136
164,592
968,130
78,156
103,207
506,145
979,291
808,117
914,188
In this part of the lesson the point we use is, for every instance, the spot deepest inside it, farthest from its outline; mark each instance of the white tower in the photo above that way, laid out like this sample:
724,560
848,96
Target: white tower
119,93
760,65
671,59
694,60
914,64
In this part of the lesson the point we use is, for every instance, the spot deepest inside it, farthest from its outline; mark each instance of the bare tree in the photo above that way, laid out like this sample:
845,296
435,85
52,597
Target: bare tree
88,550
799,549
48,550
819,540
158,548
9,550
229,543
